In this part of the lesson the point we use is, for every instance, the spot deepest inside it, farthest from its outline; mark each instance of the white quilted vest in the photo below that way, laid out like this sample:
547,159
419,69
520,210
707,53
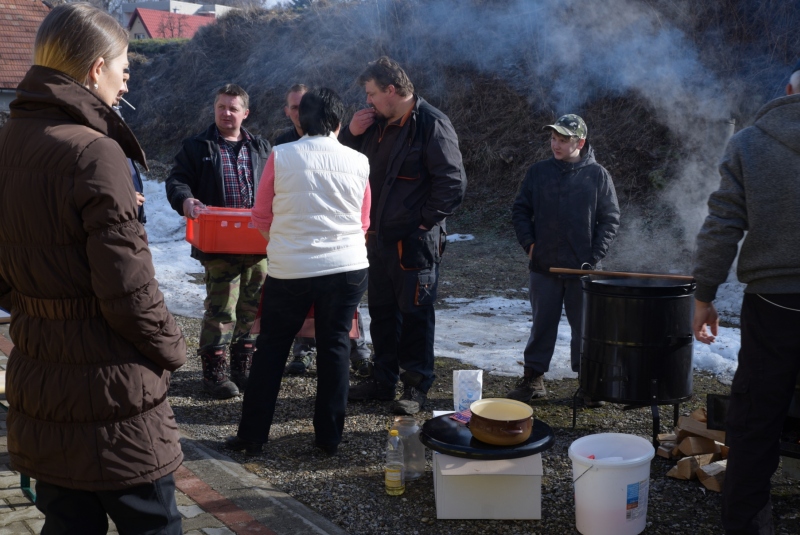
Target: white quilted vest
319,190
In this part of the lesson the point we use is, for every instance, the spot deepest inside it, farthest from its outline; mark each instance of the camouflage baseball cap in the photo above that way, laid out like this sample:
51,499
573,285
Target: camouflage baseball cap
569,125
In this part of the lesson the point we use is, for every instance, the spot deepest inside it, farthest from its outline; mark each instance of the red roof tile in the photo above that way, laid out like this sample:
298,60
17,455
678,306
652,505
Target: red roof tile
19,21
163,24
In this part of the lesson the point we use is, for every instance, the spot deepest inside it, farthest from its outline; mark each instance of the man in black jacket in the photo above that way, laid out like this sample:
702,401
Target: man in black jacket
221,167
566,215
417,180
292,111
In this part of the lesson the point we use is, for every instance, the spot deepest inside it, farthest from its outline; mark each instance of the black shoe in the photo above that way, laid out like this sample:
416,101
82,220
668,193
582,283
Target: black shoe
329,450
239,444
215,377
371,389
363,368
411,402
300,364
530,386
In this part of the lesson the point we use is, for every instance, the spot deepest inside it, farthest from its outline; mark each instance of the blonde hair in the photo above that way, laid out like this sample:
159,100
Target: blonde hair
73,36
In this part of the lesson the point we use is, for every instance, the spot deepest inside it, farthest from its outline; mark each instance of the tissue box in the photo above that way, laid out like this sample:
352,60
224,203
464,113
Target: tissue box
507,489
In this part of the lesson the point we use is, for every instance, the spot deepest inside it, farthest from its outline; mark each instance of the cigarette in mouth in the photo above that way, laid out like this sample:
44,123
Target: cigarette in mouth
128,103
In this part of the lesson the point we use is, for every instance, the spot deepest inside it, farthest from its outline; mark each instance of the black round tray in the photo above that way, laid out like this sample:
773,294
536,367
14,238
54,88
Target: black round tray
445,435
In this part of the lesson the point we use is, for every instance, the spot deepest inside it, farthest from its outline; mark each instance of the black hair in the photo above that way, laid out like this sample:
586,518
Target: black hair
321,112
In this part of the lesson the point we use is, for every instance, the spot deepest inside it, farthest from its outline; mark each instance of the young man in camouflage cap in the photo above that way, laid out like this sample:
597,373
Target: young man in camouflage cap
559,197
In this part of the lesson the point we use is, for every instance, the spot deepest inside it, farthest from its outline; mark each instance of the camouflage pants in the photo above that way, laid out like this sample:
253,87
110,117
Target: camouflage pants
233,291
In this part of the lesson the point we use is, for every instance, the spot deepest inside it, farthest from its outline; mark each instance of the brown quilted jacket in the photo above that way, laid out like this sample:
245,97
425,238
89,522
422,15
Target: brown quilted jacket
94,342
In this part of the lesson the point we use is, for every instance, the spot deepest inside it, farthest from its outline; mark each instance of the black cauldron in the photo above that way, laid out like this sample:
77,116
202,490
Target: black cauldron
637,340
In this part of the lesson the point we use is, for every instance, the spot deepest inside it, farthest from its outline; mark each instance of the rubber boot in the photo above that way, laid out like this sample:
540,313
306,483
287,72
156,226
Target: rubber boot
215,380
241,360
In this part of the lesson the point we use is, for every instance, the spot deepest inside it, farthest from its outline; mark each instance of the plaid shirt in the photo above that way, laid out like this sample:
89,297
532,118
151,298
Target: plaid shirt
237,174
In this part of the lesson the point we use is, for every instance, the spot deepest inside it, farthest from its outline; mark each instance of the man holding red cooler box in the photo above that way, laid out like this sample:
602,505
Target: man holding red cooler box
221,167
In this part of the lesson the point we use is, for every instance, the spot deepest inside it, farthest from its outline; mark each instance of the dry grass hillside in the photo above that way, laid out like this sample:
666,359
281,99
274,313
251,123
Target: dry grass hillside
658,82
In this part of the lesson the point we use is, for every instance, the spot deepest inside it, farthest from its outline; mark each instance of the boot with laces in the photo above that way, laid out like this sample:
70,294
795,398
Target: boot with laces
531,386
215,377
241,360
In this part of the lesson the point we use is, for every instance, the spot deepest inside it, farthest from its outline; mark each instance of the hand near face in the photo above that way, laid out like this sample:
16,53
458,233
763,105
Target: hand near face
362,120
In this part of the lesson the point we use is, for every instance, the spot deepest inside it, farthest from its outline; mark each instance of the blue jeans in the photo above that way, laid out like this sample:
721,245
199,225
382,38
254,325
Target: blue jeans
286,303
547,294
402,316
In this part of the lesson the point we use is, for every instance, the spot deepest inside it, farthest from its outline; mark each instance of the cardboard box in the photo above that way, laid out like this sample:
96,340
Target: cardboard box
507,489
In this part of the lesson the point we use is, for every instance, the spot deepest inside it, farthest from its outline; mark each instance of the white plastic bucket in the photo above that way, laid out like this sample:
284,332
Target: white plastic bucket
611,489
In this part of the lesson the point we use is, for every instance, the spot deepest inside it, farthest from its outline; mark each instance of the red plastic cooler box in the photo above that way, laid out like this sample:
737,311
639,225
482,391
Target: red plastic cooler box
225,230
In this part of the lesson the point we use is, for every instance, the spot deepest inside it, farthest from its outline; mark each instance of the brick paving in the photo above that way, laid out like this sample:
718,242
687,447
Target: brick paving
210,488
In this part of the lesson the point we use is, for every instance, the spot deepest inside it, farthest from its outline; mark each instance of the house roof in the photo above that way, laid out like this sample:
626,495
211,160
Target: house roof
163,24
19,22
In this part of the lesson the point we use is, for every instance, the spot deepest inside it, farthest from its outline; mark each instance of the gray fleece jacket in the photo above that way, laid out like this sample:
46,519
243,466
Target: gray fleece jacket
759,193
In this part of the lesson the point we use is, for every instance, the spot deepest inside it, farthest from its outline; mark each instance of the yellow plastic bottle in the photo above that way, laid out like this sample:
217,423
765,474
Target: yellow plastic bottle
394,469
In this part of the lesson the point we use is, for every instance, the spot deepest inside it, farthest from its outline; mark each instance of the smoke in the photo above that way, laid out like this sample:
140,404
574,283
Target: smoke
562,55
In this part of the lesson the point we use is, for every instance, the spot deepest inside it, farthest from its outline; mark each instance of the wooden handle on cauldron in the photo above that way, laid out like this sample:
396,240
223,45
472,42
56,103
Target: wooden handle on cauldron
684,278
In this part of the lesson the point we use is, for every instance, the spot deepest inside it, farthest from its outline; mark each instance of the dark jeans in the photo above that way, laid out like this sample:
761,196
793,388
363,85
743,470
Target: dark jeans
143,509
547,294
402,316
286,303
761,392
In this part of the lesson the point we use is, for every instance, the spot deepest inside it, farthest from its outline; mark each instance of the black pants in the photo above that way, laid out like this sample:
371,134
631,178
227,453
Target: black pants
286,303
140,510
761,392
402,318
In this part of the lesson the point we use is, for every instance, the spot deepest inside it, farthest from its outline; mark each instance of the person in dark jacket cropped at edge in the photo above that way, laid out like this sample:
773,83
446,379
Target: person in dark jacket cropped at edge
94,343
221,167
756,204
565,215
136,175
417,180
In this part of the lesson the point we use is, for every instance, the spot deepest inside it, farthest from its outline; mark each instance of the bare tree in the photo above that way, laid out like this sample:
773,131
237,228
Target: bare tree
171,26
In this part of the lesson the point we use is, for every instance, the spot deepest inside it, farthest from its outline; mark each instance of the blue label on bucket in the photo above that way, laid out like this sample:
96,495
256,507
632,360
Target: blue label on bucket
636,500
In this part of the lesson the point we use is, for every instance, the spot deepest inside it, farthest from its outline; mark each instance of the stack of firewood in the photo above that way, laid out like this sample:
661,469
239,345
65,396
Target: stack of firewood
701,452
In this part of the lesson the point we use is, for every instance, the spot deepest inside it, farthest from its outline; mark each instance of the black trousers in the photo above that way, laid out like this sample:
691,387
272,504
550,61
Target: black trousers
286,303
148,509
761,392
402,317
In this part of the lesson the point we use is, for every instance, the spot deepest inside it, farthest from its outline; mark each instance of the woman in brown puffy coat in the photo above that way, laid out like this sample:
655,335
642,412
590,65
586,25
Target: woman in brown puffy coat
94,343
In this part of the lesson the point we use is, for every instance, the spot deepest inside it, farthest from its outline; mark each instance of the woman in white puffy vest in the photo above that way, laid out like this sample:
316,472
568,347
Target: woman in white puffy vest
313,207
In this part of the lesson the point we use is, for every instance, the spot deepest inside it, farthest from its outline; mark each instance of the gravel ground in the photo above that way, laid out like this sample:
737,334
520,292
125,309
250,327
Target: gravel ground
348,488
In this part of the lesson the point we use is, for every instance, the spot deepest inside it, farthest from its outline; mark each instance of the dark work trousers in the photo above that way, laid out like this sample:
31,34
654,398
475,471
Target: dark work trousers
402,318
143,509
286,303
761,392
547,294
